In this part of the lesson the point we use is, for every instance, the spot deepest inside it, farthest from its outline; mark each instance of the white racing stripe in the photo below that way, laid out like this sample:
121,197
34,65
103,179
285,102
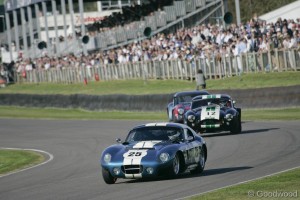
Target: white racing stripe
36,150
135,155
146,144
211,96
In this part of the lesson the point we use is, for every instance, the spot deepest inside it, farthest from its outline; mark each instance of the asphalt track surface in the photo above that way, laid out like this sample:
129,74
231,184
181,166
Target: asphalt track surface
74,173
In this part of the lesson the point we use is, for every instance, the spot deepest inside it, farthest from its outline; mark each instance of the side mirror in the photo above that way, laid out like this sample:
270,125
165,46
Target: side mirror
118,140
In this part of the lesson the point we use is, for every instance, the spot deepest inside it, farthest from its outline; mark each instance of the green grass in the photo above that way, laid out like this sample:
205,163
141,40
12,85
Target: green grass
12,160
283,182
135,87
271,114
54,113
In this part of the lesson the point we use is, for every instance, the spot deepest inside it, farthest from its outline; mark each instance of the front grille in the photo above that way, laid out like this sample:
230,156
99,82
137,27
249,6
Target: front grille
132,169
210,121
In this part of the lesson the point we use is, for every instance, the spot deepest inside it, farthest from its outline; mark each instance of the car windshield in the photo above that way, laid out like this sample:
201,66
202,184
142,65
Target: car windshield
184,99
151,133
205,102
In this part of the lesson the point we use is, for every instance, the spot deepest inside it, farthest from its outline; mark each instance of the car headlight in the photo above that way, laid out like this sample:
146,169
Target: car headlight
116,170
107,158
228,117
180,111
191,118
164,157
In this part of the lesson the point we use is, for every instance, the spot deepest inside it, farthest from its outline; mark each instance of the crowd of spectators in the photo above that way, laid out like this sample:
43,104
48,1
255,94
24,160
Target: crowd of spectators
187,44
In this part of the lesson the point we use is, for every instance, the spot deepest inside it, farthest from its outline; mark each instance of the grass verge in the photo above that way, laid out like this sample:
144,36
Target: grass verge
280,186
54,113
135,87
13,160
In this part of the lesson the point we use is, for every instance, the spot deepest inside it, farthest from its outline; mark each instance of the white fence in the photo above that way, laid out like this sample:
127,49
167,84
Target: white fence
212,67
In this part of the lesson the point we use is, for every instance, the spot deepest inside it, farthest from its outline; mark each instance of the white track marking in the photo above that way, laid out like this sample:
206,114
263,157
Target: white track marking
36,150
239,183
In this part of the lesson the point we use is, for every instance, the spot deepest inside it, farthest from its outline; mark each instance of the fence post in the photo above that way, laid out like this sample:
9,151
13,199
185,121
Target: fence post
285,61
255,61
293,59
163,70
185,69
175,63
269,61
220,70
191,71
168,69
224,65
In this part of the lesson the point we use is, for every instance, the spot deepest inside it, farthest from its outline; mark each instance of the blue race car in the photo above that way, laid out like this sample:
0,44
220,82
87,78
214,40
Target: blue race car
154,149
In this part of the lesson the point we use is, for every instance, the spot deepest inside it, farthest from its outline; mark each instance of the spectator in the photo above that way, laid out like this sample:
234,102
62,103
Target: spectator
200,80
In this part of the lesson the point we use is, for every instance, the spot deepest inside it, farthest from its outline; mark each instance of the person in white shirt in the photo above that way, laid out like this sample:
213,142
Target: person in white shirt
227,36
28,66
173,55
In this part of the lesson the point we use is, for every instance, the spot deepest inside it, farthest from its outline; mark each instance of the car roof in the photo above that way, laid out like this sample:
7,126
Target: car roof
211,96
196,92
161,124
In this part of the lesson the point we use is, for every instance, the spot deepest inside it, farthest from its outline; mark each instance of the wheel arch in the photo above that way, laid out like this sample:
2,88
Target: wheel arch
181,160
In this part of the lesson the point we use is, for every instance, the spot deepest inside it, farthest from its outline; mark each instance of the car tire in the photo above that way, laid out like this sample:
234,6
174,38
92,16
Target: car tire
201,164
240,126
107,177
236,127
175,168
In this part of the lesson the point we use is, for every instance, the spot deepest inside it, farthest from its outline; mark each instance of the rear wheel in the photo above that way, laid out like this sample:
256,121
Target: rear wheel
201,164
108,178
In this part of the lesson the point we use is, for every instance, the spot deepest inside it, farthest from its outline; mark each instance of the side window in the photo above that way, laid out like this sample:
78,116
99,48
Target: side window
188,133
175,101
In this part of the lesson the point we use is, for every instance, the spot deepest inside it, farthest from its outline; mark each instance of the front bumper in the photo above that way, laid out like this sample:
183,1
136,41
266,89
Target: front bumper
144,170
211,125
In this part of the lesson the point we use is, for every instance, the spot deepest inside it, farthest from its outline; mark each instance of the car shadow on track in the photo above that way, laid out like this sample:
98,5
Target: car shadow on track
208,172
227,133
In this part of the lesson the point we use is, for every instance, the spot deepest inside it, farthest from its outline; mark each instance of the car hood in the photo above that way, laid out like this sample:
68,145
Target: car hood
154,144
210,112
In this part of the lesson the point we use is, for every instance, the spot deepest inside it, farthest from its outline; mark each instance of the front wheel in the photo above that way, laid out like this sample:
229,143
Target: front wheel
175,169
236,127
107,177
